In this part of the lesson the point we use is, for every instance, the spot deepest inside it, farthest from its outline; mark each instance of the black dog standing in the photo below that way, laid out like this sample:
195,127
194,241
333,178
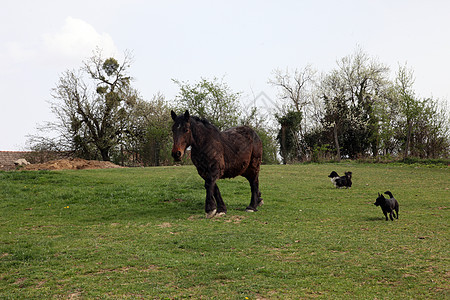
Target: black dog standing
341,181
387,205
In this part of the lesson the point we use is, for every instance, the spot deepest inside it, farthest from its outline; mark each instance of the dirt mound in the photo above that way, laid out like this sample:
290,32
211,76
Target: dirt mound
71,164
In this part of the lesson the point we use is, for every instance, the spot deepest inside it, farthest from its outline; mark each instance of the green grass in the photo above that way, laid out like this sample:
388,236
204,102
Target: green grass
141,233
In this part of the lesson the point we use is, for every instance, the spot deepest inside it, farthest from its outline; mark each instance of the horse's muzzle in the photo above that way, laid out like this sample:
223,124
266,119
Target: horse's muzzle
177,155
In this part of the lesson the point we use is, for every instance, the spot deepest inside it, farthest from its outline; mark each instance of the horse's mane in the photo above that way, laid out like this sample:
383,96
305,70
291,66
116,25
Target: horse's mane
205,122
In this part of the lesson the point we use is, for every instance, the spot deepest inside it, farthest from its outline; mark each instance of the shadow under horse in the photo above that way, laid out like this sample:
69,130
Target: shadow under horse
227,154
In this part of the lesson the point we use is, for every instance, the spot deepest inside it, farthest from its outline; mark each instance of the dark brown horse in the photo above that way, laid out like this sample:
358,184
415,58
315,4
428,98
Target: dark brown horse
227,154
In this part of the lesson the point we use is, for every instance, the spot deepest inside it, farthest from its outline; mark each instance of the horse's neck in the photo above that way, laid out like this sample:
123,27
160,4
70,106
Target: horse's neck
201,135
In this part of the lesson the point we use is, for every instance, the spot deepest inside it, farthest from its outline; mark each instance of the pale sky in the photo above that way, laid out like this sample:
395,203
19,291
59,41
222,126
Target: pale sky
241,41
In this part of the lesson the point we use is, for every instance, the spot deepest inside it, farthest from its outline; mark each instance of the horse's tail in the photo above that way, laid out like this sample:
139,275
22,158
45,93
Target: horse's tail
257,150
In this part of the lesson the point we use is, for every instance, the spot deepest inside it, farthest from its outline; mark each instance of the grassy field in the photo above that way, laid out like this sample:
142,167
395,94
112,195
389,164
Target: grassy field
141,233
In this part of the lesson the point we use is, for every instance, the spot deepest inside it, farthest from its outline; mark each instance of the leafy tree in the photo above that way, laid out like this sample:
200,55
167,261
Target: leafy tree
409,105
288,135
387,112
149,134
350,93
210,99
336,115
435,130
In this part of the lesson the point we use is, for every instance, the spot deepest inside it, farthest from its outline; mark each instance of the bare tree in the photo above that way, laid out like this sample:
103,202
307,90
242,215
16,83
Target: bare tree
91,106
296,91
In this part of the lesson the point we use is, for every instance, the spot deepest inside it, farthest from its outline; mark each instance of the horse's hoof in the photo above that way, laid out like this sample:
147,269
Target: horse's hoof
220,214
211,214
250,209
261,202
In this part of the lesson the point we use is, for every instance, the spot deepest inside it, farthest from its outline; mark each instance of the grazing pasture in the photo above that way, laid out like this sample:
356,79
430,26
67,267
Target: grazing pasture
132,233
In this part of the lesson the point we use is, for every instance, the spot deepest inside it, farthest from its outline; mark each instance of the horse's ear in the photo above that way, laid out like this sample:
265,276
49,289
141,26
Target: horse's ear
186,115
173,114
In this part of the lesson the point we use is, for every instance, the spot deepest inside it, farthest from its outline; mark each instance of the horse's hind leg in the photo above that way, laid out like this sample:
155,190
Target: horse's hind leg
260,200
221,208
252,174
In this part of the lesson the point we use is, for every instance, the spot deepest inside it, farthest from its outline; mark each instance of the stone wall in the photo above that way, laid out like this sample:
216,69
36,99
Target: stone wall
7,158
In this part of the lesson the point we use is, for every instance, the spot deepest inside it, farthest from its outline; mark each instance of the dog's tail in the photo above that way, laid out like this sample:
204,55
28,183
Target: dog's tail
389,194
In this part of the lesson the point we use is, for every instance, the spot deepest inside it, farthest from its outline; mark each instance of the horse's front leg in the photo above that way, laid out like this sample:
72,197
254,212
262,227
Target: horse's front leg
256,199
210,203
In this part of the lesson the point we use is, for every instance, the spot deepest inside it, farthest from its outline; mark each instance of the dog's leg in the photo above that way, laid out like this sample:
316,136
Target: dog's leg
385,214
390,215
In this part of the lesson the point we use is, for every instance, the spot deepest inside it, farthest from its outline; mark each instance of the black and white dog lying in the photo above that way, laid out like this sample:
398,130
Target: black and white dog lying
387,205
341,181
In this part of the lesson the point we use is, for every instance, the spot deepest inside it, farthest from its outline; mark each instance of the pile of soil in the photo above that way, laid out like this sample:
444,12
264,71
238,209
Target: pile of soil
72,164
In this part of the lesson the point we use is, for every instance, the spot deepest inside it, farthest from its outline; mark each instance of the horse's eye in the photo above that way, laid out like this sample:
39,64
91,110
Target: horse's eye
186,130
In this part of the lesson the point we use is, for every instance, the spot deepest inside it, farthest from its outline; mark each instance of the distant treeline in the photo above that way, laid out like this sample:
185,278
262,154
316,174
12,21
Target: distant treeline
358,110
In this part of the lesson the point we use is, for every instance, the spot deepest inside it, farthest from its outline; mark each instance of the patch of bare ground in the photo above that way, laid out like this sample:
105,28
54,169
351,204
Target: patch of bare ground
235,219
71,164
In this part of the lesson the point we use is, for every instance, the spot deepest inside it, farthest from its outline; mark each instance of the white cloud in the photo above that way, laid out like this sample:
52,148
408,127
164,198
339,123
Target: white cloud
77,39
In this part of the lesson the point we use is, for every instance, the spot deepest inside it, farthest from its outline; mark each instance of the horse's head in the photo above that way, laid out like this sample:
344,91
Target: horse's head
182,134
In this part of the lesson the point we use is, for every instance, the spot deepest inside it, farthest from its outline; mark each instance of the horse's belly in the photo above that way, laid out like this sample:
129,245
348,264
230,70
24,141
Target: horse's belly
236,168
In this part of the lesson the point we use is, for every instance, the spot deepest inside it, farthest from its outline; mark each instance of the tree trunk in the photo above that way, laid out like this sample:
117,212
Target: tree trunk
408,139
157,156
336,142
105,154
283,144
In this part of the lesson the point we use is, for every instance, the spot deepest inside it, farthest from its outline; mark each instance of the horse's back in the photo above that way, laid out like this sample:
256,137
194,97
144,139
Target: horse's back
242,151
242,138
